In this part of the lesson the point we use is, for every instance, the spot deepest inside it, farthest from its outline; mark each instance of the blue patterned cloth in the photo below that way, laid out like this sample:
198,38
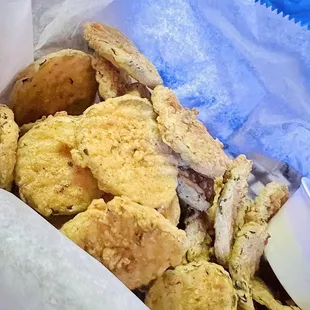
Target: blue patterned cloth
243,66
299,10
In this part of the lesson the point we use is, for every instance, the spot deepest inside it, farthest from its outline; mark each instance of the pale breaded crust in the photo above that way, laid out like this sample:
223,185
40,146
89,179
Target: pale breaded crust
196,286
198,237
172,212
60,81
119,141
135,242
262,295
268,202
111,44
234,191
112,81
187,136
245,257
8,145
47,178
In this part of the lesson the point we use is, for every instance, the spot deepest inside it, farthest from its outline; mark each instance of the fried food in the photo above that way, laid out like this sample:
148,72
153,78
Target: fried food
26,127
195,189
187,136
135,242
191,194
262,295
137,89
47,178
199,240
243,209
112,45
8,145
234,191
61,81
245,257
268,202
112,81
172,212
196,286
119,141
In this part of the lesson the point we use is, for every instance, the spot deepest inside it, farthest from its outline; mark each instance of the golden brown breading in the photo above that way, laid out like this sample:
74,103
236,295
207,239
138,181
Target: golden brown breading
245,257
199,240
234,191
111,44
137,89
61,81
262,295
8,145
196,286
112,81
47,178
172,212
268,202
243,209
119,141
187,136
135,242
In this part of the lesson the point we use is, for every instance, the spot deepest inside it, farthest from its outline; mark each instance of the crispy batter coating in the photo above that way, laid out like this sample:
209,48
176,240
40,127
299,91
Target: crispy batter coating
135,242
243,209
234,191
199,240
47,178
268,202
61,81
172,212
262,295
186,135
112,81
8,145
196,286
119,141
111,44
245,257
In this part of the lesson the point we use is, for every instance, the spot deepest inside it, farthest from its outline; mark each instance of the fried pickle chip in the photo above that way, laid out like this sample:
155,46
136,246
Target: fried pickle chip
230,200
111,44
187,136
135,242
199,240
112,81
245,257
263,296
268,202
196,286
60,81
119,141
47,178
8,145
172,212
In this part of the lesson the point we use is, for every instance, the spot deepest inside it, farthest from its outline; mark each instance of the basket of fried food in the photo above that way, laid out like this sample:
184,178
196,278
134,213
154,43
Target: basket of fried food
136,180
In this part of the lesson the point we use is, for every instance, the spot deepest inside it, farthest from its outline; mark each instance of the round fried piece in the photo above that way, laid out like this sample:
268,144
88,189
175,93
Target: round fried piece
47,178
196,286
8,144
187,136
112,81
119,141
135,242
111,44
61,81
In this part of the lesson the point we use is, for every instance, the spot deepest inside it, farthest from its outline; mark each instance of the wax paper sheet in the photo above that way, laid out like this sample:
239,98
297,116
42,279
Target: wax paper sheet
43,270
244,67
